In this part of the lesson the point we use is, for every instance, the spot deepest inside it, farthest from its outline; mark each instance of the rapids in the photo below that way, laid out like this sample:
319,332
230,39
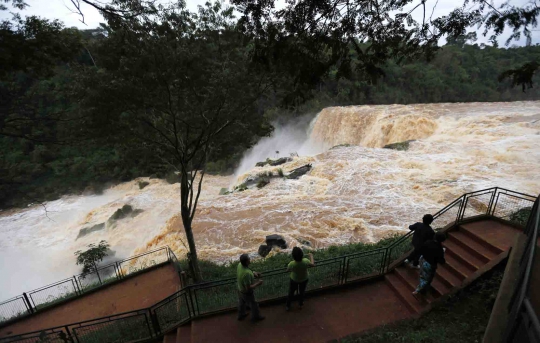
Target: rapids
353,193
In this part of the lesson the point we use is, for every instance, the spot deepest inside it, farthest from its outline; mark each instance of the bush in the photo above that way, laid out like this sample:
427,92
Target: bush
172,178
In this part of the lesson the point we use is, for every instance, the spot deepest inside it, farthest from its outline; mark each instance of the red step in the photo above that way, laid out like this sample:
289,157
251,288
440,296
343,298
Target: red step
411,277
404,293
448,277
457,268
466,231
462,255
439,286
473,247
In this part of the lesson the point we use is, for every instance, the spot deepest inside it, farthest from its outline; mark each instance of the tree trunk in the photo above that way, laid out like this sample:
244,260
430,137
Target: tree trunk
186,220
193,259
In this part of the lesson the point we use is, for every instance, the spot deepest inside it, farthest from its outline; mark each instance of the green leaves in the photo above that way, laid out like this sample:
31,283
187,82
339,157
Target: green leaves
91,257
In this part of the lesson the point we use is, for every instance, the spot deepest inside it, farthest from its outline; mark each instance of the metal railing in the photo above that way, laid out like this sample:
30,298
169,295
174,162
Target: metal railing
523,323
38,299
221,295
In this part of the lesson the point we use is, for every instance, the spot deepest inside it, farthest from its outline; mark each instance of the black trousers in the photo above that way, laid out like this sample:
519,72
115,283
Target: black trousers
248,300
301,287
414,257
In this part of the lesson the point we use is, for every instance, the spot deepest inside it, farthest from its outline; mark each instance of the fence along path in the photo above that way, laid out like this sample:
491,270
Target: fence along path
78,285
217,296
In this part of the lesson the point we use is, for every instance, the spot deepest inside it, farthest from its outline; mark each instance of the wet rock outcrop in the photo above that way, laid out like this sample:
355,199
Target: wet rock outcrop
296,173
276,240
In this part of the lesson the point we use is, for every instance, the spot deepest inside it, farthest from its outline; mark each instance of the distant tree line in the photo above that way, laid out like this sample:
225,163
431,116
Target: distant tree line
42,170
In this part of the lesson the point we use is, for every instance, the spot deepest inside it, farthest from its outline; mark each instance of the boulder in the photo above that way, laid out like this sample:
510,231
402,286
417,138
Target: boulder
276,240
85,231
224,191
260,164
172,178
402,146
262,183
280,161
264,250
123,212
296,173
340,146
303,241
143,184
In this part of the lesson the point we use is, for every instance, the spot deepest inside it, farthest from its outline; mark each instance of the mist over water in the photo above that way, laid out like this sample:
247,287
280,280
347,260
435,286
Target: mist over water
292,137
356,193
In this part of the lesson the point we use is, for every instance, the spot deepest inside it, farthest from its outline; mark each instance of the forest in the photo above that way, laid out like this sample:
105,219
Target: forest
162,91
40,168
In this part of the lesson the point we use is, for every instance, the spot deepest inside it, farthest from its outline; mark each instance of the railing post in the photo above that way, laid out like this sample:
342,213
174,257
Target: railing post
491,207
99,278
345,267
30,308
119,270
69,336
77,289
385,256
461,210
155,322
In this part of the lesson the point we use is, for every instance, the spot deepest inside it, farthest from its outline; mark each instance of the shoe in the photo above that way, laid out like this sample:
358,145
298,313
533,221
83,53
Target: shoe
258,319
406,261
415,294
416,267
242,317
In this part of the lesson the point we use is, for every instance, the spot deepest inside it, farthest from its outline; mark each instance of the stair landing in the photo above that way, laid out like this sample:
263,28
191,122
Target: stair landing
472,249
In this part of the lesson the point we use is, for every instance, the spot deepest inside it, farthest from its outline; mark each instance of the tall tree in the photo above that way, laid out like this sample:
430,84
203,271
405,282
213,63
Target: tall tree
181,84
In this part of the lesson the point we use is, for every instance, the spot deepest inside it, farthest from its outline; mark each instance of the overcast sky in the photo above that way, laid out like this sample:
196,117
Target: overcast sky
62,10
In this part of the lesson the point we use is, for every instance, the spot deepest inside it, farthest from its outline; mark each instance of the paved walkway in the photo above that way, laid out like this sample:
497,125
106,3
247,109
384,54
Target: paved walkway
137,292
321,319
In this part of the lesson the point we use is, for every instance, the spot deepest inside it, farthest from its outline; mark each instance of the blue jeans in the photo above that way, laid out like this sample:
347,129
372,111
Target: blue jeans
427,273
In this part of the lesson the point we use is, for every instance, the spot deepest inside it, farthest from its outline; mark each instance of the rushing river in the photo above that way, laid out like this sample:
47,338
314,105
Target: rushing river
353,193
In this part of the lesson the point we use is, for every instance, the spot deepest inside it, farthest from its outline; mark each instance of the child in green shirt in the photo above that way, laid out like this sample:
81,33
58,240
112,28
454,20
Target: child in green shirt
299,275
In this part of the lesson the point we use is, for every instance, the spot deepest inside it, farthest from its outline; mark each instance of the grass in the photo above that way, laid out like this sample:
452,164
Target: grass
521,216
214,271
461,318
124,330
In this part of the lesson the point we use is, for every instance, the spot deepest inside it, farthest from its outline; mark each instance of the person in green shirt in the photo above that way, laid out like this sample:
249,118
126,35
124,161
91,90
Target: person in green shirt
299,275
246,283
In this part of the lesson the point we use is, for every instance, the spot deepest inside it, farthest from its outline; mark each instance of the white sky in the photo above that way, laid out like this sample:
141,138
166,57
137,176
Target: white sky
62,10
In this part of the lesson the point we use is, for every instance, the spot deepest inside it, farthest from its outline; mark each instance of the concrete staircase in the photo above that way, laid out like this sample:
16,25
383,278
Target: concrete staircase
468,256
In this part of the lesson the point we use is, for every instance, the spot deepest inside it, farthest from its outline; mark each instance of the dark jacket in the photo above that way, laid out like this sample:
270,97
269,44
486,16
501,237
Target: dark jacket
432,251
422,233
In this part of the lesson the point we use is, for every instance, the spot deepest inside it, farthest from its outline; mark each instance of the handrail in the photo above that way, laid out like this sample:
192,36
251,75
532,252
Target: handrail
75,289
185,304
